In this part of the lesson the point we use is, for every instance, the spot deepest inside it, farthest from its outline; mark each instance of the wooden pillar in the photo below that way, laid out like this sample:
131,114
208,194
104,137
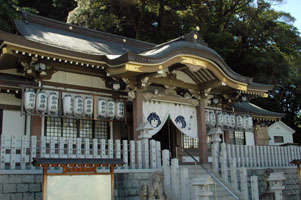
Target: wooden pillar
227,137
36,126
202,133
137,113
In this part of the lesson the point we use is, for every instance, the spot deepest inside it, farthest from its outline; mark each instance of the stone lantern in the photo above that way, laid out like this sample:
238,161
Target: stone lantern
144,136
215,134
276,184
144,129
202,187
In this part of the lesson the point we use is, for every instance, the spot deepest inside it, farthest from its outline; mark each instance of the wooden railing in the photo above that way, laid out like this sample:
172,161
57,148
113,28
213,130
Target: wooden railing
17,154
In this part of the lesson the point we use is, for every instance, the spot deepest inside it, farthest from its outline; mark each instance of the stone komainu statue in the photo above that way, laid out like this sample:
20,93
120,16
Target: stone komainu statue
153,188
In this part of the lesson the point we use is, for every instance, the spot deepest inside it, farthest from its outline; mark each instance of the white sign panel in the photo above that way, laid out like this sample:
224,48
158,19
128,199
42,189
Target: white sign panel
79,187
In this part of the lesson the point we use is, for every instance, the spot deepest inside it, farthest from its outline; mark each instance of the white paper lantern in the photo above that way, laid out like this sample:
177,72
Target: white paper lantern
52,103
207,117
29,100
232,121
78,106
245,122
250,123
88,106
68,105
239,121
111,108
220,119
102,108
227,120
41,103
212,119
120,110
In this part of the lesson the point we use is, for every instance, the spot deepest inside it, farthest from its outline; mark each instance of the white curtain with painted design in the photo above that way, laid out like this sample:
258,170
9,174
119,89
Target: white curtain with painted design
183,116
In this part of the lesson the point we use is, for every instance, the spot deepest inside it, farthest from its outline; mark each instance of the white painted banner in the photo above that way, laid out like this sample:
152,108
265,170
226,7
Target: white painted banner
183,116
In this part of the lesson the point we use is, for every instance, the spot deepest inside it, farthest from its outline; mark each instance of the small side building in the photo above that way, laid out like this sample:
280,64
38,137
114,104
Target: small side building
280,133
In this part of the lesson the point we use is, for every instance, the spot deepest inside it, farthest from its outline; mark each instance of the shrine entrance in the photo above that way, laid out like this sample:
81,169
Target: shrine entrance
168,137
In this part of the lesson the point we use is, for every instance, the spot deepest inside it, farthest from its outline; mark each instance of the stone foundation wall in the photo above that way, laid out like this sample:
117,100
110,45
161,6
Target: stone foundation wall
20,187
291,183
29,186
127,185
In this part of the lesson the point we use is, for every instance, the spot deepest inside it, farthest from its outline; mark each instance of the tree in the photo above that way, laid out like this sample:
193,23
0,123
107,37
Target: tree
8,14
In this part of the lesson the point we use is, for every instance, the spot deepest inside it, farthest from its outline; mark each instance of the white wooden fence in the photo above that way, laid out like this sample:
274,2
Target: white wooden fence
17,154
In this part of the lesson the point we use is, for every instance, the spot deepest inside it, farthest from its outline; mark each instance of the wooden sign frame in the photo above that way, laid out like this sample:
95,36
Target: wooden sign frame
72,166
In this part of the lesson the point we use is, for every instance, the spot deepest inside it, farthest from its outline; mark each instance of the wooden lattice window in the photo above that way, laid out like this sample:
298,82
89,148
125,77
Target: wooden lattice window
86,129
72,128
53,126
190,143
237,137
101,130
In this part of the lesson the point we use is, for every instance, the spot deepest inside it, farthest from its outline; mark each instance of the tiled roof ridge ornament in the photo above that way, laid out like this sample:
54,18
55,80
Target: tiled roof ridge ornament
194,36
24,16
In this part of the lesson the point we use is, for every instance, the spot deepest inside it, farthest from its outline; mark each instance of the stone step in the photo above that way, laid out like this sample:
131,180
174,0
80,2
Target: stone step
197,171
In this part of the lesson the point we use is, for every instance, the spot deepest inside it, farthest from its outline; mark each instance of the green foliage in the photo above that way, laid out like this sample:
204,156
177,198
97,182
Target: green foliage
7,14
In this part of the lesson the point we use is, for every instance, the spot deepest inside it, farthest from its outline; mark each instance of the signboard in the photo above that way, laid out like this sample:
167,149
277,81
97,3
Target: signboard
79,187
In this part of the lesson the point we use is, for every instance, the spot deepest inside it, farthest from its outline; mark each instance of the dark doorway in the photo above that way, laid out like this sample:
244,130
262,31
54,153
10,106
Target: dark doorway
167,137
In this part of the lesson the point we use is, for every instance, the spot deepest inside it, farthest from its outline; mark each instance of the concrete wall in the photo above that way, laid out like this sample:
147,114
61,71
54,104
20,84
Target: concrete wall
77,79
249,138
13,123
9,99
29,186
291,183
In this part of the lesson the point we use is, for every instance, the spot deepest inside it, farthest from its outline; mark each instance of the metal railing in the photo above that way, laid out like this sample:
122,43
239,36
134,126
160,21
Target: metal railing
210,173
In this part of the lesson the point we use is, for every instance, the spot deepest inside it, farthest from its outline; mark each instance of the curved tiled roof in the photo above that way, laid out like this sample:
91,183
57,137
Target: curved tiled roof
72,41
52,36
255,110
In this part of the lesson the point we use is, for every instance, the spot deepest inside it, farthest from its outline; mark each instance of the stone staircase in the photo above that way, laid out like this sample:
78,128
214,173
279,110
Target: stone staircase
220,193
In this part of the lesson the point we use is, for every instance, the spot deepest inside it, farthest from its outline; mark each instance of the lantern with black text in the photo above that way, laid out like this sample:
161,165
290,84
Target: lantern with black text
120,110
52,103
102,108
68,105
110,109
232,121
239,122
29,100
249,123
220,119
207,117
226,120
88,107
41,103
78,106
212,119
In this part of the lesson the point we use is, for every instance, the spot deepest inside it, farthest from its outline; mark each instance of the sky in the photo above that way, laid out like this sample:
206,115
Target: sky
294,8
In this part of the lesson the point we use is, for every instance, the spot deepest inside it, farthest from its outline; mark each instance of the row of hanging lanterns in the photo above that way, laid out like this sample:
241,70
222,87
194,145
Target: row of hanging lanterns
76,105
228,120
